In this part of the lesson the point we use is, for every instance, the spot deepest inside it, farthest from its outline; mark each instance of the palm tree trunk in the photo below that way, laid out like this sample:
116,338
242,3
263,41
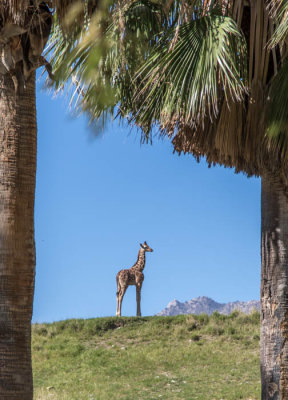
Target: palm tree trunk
274,290
17,248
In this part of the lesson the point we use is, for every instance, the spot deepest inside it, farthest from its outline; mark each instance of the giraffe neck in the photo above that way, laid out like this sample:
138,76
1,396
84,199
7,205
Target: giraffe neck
140,263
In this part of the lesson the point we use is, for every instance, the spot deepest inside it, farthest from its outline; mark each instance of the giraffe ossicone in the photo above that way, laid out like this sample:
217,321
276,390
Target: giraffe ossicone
132,276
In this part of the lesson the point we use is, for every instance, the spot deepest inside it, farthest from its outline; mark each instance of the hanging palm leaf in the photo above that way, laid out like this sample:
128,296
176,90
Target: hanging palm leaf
103,58
277,115
279,10
186,83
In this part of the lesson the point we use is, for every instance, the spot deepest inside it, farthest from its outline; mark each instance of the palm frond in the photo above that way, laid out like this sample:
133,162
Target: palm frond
278,105
103,57
13,11
73,15
187,83
279,11
111,84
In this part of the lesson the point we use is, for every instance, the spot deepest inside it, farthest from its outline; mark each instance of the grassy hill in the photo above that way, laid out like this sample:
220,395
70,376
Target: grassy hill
183,357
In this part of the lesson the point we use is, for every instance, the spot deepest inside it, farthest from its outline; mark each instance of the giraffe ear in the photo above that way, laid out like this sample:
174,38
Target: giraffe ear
142,245
145,243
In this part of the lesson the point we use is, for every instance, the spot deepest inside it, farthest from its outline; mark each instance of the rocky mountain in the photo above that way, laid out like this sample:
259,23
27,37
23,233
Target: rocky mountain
205,305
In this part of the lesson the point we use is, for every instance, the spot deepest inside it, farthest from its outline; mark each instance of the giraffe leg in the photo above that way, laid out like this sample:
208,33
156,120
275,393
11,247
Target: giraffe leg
138,299
119,301
117,309
120,298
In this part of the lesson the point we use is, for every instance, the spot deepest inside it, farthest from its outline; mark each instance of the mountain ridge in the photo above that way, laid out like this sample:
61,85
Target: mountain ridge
206,305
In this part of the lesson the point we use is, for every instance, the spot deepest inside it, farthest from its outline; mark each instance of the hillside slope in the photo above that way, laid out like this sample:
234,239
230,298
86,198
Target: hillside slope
183,357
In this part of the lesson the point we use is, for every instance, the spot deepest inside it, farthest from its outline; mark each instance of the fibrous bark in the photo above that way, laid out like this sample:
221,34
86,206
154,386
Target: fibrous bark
17,248
274,290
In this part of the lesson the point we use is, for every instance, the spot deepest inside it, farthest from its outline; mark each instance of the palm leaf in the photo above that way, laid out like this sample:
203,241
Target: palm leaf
278,105
279,10
104,56
72,14
191,59
185,84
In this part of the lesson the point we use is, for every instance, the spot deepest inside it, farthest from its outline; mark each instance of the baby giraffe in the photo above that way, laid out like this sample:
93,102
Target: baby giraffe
132,276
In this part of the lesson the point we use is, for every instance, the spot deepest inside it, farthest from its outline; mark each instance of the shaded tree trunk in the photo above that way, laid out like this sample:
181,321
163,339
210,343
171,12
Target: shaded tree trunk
274,290
17,248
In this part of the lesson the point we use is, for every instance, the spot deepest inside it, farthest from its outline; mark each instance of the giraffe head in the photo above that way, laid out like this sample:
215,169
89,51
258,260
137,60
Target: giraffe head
146,247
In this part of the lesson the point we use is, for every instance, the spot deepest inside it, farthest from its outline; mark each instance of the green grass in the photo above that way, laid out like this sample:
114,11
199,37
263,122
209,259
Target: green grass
183,357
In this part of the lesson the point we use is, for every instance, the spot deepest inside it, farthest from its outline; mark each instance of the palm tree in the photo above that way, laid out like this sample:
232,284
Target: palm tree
24,30
212,75
19,22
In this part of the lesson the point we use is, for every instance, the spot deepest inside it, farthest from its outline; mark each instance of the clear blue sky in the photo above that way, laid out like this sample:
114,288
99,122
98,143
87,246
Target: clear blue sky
96,199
